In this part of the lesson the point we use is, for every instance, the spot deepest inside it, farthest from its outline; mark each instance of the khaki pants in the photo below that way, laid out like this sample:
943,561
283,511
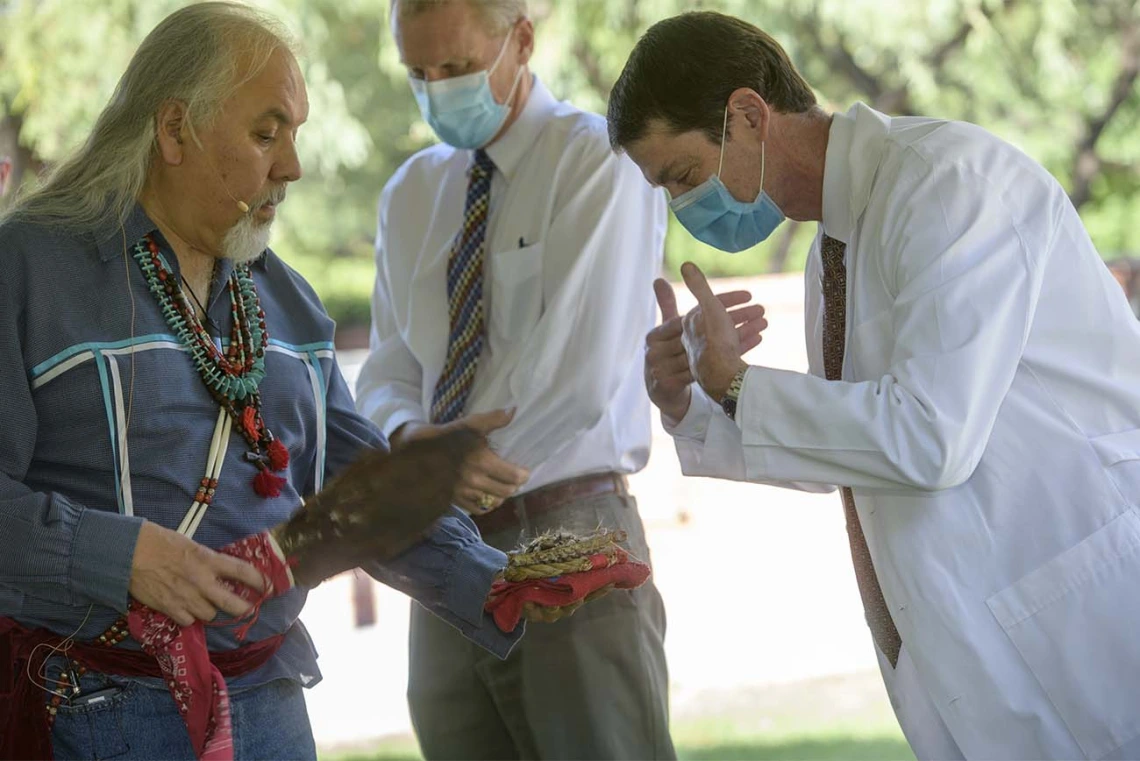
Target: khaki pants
591,686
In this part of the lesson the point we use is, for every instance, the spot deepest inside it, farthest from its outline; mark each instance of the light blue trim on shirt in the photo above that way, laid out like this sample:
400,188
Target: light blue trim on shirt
304,348
96,346
308,353
101,364
323,394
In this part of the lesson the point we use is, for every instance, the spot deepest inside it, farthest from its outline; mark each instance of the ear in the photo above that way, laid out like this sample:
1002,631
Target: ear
171,131
748,112
525,34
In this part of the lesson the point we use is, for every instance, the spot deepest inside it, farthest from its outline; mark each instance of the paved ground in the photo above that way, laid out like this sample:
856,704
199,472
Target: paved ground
757,582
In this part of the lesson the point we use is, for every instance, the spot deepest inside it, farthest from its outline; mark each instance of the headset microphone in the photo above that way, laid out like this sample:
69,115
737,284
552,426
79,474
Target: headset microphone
242,205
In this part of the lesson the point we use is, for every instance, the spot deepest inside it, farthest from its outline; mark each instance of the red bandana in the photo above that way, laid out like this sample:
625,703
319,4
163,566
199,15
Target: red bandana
507,598
194,682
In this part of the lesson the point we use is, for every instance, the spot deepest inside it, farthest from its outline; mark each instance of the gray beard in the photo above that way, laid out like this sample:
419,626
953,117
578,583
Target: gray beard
246,240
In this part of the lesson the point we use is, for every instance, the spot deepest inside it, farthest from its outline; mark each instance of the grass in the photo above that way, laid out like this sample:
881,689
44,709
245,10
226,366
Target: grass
714,740
823,745
804,749
842,717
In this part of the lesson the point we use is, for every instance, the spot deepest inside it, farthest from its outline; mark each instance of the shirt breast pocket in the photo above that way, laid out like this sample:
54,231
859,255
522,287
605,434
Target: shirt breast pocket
516,291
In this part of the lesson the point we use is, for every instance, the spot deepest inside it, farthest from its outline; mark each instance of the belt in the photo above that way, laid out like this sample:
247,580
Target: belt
25,730
546,498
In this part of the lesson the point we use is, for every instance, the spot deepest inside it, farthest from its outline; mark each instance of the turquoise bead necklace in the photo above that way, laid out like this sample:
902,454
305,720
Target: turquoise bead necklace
232,377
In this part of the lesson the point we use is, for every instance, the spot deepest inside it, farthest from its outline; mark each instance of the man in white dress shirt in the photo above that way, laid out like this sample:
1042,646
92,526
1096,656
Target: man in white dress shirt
513,291
973,387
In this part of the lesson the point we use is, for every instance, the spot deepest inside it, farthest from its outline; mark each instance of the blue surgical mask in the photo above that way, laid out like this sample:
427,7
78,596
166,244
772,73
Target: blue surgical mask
713,216
462,110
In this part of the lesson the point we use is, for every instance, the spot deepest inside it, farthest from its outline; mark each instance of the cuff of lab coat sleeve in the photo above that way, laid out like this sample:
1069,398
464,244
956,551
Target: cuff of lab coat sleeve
742,401
695,424
101,556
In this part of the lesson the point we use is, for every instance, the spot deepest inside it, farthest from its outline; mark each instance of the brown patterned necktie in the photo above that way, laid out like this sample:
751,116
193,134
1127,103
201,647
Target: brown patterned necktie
834,338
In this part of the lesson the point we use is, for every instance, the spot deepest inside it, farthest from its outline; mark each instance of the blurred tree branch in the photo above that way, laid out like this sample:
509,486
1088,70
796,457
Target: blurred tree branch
937,59
890,98
1088,163
839,56
588,59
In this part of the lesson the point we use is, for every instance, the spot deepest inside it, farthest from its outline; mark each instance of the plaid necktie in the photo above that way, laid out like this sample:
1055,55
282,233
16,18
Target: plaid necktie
834,338
465,297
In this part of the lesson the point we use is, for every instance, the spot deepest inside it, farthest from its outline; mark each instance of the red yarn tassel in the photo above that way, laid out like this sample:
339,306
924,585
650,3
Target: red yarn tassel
249,422
278,455
267,485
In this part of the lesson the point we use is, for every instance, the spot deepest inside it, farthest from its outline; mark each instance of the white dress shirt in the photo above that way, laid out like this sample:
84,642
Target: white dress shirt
989,422
574,240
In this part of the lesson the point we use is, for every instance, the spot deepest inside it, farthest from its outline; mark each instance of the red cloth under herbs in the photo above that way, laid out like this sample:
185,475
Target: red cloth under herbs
507,598
178,655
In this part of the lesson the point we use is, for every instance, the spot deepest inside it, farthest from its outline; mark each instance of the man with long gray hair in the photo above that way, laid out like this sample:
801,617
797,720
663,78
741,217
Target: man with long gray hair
158,355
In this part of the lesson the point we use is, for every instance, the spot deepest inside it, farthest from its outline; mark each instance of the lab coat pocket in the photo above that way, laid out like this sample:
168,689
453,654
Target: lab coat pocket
1116,448
1119,453
516,291
1074,621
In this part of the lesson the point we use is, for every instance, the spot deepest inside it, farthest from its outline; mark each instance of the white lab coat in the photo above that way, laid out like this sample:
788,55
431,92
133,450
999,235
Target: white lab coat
989,422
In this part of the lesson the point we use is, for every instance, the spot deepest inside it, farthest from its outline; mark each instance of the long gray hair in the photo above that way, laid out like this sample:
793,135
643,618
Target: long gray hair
198,55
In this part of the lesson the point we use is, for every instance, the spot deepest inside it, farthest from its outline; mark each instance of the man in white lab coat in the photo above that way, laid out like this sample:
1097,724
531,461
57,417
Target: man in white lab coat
973,387
514,271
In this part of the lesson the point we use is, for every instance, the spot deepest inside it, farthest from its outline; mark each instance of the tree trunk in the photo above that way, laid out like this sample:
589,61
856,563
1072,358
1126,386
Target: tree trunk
363,599
1087,163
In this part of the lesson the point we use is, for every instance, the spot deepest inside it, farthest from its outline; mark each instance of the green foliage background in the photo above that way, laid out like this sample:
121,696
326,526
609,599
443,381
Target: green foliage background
1055,77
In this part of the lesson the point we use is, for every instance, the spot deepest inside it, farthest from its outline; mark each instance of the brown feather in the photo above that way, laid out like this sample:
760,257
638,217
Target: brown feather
377,507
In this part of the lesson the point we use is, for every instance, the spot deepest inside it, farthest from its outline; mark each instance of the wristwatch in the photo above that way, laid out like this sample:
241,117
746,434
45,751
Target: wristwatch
732,395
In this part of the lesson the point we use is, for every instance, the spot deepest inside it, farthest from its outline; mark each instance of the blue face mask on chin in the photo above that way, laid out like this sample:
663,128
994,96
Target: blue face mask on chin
463,110
713,216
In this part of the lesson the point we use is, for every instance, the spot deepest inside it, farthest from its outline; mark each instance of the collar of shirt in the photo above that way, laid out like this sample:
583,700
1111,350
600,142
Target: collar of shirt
509,149
110,243
854,149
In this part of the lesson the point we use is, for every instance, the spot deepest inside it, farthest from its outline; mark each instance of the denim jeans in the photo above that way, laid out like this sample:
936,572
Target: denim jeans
131,720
